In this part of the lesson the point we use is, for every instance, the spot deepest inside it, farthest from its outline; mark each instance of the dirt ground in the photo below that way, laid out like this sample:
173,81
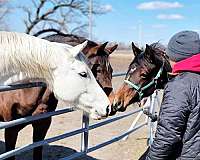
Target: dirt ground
130,149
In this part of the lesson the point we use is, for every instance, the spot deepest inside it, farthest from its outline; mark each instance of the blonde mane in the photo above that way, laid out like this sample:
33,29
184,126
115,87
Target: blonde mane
34,57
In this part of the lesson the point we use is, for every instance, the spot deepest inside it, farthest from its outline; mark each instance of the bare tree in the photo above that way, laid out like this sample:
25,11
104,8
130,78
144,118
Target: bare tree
4,11
69,16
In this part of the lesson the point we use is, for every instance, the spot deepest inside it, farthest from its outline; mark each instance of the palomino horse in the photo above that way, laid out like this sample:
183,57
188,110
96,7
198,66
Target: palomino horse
147,72
55,64
40,100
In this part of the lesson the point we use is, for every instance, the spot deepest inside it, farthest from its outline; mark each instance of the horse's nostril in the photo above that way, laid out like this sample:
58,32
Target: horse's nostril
116,106
113,110
119,105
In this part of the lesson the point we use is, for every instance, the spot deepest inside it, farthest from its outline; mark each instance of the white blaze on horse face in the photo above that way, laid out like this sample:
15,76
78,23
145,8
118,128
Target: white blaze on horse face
83,90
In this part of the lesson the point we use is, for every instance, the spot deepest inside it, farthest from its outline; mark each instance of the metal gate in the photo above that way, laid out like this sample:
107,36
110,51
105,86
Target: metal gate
86,127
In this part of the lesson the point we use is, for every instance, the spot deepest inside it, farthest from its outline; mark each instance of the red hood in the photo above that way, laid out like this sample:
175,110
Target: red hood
190,64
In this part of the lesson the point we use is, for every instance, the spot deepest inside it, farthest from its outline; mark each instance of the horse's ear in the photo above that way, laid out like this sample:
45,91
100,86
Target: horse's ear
77,49
135,49
149,53
111,49
101,48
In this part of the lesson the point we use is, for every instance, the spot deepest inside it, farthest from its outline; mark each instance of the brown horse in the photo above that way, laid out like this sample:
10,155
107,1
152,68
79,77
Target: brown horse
33,101
147,72
26,102
98,56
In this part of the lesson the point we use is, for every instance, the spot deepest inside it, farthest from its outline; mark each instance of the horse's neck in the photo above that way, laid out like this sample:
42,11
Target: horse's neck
34,57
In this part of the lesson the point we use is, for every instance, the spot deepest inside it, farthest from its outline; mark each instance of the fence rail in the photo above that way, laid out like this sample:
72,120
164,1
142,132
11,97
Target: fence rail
84,130
33,118
21,86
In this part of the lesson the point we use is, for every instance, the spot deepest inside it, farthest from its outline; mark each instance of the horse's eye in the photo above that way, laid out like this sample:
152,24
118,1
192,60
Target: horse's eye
83,74
143,76
98,70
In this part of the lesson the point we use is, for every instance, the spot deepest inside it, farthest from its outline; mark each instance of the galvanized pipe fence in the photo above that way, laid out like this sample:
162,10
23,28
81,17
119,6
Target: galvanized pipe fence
86,127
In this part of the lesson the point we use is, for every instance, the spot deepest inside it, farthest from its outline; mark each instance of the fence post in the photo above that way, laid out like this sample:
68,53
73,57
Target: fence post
133,124
85,134
151,124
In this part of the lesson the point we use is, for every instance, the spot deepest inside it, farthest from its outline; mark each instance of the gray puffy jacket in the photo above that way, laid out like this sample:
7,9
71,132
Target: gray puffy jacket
178,131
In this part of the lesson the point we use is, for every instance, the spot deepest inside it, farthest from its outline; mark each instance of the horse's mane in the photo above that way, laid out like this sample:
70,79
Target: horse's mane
160,53
158,46
70,39
31,55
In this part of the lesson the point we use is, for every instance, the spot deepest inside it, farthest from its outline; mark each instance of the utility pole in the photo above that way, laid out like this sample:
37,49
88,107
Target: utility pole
90,19
140,33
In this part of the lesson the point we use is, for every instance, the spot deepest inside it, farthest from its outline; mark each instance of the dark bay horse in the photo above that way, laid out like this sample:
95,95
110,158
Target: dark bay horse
33,101
26,102
148,71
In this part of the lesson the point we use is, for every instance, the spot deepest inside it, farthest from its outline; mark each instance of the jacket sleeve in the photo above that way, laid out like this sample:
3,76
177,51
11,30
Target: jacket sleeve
172,122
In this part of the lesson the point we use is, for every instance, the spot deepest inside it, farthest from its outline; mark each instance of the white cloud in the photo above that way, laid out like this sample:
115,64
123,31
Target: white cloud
107,8
159,26
153,5
170,16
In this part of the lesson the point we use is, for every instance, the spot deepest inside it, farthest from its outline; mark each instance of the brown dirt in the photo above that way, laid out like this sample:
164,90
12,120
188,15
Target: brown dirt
130,149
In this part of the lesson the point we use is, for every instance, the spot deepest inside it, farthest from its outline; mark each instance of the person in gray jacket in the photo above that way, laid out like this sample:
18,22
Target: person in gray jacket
178,131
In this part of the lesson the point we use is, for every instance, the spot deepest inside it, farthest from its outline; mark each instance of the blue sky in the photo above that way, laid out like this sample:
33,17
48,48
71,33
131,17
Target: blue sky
141,21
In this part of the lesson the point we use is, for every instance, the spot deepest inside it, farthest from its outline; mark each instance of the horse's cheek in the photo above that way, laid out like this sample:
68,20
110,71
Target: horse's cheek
58,87
72,88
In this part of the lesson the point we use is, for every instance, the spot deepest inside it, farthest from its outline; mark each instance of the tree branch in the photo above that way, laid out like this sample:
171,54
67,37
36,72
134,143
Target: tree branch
70,11
47,30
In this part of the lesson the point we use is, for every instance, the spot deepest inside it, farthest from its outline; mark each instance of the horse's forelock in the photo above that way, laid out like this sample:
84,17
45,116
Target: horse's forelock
160,53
